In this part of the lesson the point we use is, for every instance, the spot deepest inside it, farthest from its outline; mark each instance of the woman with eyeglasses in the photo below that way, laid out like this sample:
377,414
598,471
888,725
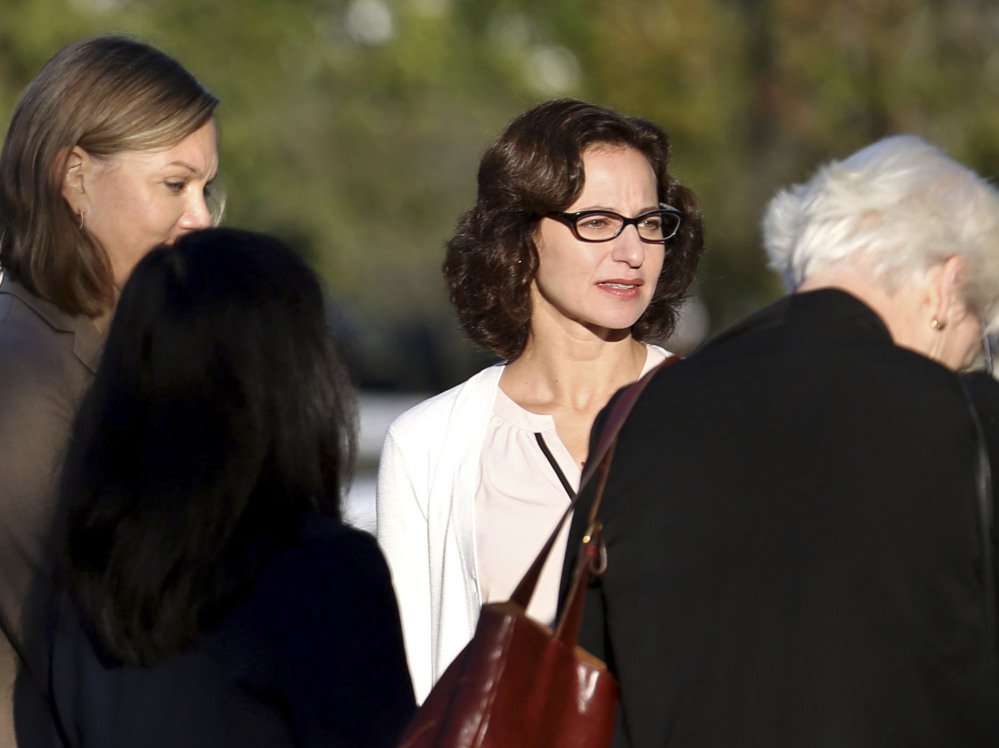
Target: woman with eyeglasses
578,251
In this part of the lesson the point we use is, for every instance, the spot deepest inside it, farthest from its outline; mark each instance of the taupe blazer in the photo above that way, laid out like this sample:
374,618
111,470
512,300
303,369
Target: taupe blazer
47,360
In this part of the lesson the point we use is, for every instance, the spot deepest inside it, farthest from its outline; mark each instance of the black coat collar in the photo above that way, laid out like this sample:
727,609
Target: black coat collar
824,315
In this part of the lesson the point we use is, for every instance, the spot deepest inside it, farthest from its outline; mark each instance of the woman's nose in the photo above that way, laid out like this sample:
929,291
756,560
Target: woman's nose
197,216
628,247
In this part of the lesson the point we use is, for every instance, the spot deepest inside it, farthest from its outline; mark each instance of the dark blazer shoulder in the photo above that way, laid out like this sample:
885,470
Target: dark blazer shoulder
326,548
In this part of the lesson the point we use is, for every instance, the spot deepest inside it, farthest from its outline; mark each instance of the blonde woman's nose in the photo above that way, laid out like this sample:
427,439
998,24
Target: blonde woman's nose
197,215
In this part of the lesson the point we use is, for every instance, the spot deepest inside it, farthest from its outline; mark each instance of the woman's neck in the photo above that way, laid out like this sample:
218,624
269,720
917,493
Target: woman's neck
571,381
572,373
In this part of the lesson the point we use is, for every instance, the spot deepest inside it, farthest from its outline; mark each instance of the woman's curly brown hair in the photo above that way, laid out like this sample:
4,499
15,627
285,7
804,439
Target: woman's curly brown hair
534,167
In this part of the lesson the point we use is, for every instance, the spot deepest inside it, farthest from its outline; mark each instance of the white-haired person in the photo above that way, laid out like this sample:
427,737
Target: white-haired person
799,553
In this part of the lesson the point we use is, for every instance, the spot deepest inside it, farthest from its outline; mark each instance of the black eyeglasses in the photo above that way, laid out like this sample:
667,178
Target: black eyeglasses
654,226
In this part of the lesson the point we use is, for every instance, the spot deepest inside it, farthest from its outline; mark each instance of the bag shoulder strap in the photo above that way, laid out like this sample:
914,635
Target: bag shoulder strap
608,436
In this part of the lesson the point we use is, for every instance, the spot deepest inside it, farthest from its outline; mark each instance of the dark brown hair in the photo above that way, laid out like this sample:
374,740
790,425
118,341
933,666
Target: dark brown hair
534,167
106,95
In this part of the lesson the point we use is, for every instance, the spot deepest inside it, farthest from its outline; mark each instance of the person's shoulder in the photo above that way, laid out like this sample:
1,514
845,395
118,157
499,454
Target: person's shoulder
984,388
22,328
19,305
325,548
32,341
435,412
320,534
328,565
656,355
984,392
34,362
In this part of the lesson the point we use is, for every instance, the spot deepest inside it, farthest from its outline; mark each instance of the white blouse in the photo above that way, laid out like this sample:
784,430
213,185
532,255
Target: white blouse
519,500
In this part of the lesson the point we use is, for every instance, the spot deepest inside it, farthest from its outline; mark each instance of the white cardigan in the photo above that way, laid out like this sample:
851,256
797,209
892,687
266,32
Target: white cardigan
425,507
425,504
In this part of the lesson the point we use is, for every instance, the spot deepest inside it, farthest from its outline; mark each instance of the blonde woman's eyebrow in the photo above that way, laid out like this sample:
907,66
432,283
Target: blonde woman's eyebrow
184,165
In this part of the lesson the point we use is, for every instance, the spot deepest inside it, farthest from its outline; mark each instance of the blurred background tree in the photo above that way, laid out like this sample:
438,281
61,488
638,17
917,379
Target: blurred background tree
353,128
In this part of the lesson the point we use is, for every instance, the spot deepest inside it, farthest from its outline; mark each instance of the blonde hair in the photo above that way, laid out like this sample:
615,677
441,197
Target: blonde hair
901,205
106,95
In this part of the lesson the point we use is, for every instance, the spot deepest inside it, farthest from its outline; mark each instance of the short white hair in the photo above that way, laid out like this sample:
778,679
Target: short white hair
901,205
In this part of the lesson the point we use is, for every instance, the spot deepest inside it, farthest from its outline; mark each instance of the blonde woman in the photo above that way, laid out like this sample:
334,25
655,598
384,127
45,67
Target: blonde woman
110,151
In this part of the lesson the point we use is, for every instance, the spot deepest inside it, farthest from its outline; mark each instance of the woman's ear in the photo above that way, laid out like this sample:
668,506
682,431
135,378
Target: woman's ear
78,165
945,300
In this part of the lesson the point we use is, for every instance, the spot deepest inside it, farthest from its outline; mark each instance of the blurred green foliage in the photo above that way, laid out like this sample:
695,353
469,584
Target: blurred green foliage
353,128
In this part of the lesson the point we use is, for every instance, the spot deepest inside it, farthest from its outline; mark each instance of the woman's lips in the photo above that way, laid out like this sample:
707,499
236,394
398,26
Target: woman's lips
622,288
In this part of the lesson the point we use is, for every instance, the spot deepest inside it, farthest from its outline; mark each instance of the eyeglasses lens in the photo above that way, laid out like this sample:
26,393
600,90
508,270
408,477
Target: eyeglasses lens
655,226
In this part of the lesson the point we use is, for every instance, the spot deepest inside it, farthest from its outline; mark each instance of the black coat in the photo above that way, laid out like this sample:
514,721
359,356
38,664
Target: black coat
313,657
794,544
